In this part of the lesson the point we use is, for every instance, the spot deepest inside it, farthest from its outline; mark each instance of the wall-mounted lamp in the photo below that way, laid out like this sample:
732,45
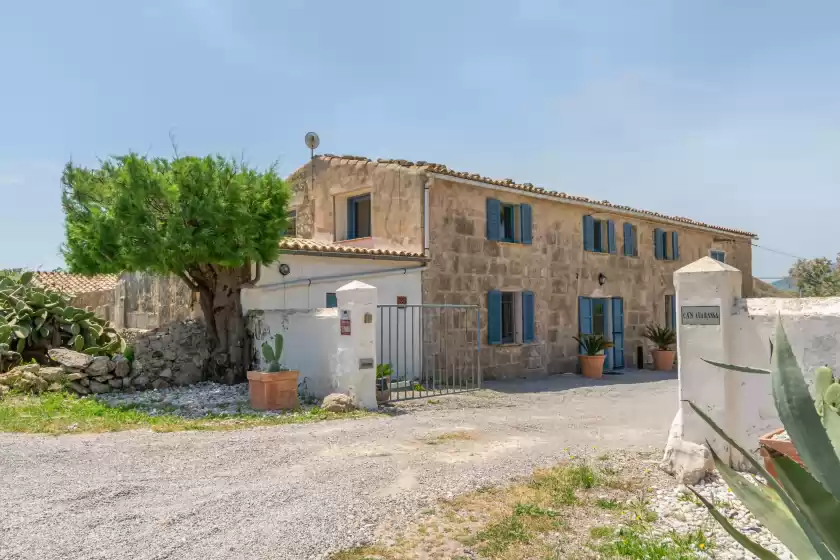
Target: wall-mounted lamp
602,279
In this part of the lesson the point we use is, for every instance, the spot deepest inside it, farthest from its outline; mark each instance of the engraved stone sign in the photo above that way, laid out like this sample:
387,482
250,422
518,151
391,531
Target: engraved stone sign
700,315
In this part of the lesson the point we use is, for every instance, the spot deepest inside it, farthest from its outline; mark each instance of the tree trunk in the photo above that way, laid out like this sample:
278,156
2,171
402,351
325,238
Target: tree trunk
220,291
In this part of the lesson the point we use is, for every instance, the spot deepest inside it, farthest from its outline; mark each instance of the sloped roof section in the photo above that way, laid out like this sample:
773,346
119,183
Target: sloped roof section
310,246
75,284
441,169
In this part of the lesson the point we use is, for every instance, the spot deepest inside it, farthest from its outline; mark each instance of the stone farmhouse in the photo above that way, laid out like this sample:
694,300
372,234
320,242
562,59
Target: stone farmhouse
537,267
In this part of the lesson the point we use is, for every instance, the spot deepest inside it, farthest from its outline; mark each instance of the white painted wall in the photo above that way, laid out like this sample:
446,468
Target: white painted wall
742,403
310,331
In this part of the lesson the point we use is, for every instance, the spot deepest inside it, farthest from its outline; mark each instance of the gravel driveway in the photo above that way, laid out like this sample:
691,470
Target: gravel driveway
301,491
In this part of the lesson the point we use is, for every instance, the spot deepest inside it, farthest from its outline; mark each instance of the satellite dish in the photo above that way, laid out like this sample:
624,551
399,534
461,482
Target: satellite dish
312,140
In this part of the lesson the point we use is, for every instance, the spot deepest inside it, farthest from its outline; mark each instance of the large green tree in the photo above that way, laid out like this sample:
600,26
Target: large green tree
817,277
211,221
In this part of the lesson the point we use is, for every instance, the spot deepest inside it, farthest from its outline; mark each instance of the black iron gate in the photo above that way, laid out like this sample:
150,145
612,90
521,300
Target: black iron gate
431,349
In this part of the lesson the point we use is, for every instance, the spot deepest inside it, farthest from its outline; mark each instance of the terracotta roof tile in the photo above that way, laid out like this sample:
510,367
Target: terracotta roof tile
441,169
76,283
296,244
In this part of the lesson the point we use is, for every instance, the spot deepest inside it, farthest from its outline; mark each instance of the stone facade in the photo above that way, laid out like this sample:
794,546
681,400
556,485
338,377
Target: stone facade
396,198
464,265
173,355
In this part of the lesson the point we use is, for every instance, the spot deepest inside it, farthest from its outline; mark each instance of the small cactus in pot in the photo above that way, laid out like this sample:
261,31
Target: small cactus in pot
276,388
272,354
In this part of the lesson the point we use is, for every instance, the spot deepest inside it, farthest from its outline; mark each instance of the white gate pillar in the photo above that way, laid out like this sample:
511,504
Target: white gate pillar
355,374
706,288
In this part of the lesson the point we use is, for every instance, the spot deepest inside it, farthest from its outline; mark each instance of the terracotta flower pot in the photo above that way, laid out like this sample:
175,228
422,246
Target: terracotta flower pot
383,389
771,446
592,366
663,360
274,390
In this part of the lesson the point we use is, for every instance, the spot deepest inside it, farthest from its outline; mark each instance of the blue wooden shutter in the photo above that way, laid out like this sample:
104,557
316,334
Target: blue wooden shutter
589,233
658,245
494,211
628,240
332,300
494,317
611,235
351,219
674,312
618,332
525,223
584,316
675,246
527,316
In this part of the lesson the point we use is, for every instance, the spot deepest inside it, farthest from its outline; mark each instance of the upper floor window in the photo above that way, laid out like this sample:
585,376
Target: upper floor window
718,255
598,235
358,217
666,245
631,240
509,222
291,224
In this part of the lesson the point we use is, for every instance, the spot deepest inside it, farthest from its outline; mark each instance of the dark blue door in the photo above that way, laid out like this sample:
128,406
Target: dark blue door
618,332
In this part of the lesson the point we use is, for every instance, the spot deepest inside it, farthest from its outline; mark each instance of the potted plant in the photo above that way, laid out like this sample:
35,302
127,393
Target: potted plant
664,338
592,347
276,388
383,383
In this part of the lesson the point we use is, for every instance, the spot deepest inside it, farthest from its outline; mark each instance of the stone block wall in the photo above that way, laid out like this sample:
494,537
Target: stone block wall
465,266
396,198
173,355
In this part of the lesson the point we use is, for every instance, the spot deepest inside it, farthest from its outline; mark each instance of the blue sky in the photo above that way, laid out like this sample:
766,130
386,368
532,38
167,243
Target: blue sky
726,112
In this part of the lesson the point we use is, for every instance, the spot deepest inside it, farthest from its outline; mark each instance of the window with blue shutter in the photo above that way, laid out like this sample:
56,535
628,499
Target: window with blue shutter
494,222
526,223
588,233
631,248
671,312
675,246
358,217
719,256
611,236
494,317
332,300
659,243
527,316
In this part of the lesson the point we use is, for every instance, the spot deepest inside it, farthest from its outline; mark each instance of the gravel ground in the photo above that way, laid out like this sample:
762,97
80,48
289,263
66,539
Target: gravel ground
301,491
680,510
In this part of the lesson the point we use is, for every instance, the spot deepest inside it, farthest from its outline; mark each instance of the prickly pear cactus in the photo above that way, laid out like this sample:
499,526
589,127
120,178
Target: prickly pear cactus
34,319
827,389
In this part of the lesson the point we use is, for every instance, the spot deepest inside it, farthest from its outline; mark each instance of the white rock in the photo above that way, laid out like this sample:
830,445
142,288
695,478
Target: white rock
689,462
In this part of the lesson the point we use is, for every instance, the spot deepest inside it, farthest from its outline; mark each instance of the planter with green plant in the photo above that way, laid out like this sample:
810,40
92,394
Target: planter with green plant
592,348
277,387
383,382
664,338
800,504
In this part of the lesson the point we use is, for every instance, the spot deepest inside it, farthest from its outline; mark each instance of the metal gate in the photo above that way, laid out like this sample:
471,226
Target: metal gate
432,349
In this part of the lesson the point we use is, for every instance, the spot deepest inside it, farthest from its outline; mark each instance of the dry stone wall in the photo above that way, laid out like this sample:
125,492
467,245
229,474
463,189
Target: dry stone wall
173,355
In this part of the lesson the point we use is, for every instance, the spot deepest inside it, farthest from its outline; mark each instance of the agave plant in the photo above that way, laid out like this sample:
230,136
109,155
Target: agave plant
592,344
802,508
663,337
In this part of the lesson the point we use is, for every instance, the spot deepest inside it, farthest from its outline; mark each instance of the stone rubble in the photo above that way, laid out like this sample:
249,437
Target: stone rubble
679,510
193,401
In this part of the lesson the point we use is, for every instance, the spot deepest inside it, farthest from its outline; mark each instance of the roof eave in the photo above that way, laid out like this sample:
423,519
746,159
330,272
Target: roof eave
592,205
